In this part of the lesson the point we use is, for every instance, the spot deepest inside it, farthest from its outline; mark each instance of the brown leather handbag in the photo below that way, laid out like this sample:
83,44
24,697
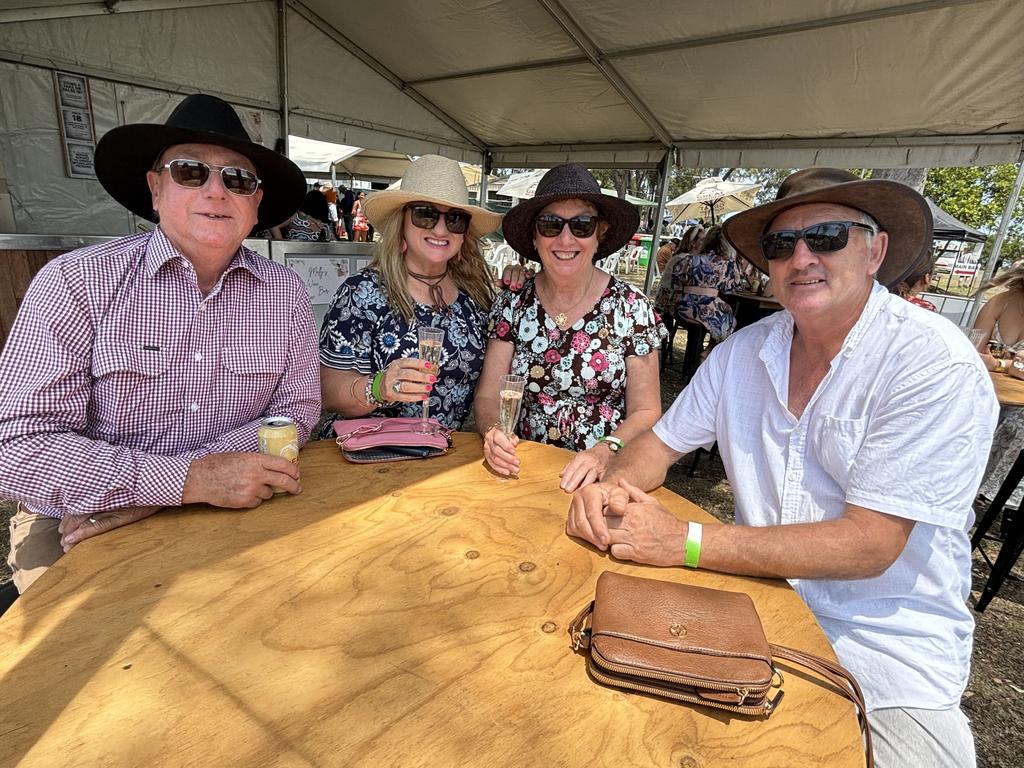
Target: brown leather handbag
692,644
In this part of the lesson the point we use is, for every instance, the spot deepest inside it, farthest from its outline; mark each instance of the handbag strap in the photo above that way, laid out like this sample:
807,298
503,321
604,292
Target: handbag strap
838,675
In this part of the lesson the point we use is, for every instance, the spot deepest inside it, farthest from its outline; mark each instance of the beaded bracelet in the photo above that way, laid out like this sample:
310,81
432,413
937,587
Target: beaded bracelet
369,394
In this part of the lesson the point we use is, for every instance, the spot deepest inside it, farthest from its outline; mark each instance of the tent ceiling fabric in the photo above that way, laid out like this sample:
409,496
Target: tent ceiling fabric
610,83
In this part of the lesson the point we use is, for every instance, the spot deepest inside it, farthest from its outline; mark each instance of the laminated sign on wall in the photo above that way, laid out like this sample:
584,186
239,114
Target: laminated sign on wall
74,113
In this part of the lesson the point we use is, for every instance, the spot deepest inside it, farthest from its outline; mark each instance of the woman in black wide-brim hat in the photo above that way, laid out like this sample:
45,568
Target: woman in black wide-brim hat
585,341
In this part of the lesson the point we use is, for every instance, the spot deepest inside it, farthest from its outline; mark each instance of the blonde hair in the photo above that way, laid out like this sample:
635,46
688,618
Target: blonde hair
1012,279
467,269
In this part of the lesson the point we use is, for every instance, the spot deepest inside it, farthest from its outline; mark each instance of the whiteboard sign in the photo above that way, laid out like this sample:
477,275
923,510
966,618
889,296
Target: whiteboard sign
321,276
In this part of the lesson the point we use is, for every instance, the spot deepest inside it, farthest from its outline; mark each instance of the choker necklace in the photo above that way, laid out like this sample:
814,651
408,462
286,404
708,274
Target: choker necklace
562,318
433,283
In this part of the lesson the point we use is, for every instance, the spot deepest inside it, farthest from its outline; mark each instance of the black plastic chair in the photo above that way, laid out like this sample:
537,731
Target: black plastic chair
695,333
8,594
1013,534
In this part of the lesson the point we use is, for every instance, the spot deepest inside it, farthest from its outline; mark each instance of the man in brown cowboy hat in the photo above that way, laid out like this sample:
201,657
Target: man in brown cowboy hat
138,371
854,429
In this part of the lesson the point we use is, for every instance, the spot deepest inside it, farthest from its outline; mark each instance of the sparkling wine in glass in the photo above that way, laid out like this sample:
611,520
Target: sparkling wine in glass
431,343
510,396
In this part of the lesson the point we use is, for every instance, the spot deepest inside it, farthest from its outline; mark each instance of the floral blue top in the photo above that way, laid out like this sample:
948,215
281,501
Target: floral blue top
576,378
708,270
360,332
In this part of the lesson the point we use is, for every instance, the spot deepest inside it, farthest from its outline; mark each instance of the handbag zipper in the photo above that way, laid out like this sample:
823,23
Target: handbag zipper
764,708
742,692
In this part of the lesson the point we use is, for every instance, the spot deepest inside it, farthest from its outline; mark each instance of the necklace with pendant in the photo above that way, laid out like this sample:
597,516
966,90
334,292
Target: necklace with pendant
562,318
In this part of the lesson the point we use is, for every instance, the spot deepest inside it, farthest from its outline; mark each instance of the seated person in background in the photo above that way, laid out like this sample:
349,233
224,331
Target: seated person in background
919,279
665,252
138,371
670,291
585,341
825,415
706,274
427,270
1002,317
309,223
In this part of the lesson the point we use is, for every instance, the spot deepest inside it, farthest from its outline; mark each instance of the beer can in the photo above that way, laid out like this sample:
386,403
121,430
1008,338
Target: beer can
278,436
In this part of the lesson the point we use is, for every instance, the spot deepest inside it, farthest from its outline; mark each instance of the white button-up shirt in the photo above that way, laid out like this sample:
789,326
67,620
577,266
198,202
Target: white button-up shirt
902,424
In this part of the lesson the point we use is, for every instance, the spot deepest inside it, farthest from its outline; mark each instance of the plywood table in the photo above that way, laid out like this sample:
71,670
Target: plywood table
1009,391
408,614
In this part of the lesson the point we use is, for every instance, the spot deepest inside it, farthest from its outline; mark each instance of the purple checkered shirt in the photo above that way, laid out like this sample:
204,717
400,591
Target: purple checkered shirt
118,372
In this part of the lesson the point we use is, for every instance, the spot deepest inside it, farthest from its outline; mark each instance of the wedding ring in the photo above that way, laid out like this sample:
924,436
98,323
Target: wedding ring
397,387
92,520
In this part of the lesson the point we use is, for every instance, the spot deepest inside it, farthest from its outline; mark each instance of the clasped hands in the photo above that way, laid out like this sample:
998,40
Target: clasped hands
630,524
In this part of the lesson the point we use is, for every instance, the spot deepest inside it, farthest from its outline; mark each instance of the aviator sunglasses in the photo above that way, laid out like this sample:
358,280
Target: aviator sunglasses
427,216
826,237
194,174
550,225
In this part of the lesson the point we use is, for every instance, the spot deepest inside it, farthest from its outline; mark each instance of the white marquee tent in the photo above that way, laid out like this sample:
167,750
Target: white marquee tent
525,83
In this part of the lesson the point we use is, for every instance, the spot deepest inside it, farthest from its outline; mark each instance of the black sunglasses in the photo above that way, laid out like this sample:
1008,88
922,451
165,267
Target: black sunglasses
826,237
194,174
550,225
427,216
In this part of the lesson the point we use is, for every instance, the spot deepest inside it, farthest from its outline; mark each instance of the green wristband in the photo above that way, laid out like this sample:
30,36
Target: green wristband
378,378
694,532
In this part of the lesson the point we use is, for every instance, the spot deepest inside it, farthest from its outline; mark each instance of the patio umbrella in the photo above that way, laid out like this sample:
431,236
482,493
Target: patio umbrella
713,197
523,185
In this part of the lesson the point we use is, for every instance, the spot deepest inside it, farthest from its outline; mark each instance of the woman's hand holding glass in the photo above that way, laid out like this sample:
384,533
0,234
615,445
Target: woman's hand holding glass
500,441
407,380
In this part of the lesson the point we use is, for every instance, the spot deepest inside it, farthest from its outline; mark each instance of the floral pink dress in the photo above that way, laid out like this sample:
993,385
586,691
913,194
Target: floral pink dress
576,378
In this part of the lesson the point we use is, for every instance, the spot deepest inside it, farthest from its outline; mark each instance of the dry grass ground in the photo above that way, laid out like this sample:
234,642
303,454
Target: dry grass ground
995,696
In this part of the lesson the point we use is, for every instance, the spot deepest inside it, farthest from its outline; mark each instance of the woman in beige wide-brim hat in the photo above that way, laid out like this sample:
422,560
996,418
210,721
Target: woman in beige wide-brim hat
427,270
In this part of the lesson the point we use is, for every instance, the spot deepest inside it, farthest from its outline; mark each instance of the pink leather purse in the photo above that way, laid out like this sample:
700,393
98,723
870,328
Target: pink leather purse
375,439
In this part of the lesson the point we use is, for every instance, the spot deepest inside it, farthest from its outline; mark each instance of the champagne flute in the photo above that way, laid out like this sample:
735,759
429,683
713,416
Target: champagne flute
431,344
510,394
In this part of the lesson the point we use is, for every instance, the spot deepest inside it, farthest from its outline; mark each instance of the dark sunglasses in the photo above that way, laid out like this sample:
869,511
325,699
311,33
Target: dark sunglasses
194,175
427,216
549,225
825,237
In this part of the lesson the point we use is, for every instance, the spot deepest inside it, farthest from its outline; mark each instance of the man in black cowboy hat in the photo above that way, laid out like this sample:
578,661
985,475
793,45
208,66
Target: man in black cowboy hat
854,428
138,371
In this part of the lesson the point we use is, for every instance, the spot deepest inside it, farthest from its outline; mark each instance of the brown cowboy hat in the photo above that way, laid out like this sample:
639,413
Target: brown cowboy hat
899,210
571,182
126,153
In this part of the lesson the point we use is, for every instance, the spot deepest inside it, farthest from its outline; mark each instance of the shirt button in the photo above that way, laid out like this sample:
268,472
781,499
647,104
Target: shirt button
198,356
194,407
202,307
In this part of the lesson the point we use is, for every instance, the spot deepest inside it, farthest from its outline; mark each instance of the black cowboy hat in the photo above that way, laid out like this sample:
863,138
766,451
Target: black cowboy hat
571,182
899,210
126,153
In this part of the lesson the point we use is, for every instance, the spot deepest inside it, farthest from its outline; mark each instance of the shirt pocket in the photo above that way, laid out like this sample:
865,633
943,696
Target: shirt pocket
248,378
839,442
130,389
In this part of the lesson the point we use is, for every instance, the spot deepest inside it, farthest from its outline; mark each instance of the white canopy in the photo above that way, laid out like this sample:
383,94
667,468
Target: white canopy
526,83
523,185
711,198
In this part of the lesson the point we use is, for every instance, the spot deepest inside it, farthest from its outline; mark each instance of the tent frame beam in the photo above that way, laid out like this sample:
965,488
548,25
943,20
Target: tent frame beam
605,57
582,41
365,58
105,8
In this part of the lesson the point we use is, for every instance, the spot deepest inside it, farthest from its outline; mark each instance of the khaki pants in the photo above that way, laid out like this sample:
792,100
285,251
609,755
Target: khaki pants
35,546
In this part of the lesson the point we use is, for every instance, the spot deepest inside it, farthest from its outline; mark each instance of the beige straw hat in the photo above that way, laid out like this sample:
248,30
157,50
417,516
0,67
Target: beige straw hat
431,179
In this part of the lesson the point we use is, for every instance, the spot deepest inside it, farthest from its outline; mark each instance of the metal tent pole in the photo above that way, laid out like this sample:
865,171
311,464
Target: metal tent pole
993,259
485,170
663,173
282,70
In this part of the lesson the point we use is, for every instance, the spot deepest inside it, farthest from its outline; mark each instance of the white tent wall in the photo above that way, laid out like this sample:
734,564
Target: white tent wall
45,200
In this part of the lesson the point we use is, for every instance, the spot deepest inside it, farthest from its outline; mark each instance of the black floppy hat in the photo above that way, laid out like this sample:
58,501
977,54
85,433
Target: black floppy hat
571,182
126,153
900,211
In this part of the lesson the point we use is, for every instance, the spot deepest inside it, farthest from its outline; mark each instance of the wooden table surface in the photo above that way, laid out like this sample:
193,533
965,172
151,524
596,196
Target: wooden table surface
407,614
1009,391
